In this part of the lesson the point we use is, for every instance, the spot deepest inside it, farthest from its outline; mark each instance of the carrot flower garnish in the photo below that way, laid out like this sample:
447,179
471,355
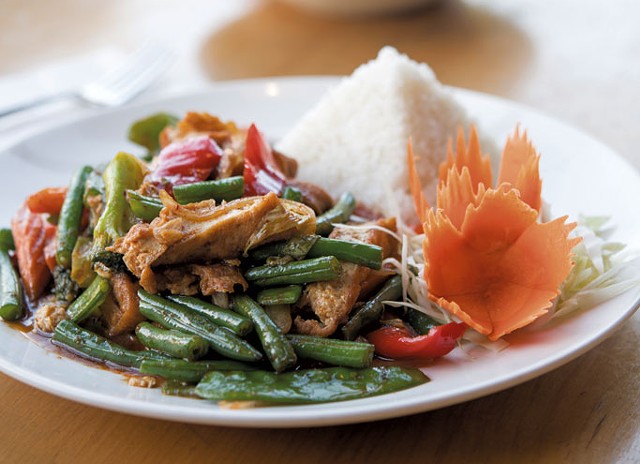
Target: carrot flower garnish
488,259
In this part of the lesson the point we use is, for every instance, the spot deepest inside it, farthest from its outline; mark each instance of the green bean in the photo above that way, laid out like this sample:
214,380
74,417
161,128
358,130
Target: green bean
6,240
11,301
143,207
235,322
363,254
340,212
226,189
90,345
307,386
172,342
174,388
90,300
187,371
172,315
297,272
296,248
276,346
331,351
279,295
371,311
71,216
64,287
292,193
421,322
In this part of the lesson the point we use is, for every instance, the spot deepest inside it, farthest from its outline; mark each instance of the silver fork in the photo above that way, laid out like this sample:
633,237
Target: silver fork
117,86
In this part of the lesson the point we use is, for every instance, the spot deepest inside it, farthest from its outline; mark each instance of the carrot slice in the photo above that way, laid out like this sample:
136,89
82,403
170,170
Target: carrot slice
468,156
48,200
501,269
520,168
30,237
455,194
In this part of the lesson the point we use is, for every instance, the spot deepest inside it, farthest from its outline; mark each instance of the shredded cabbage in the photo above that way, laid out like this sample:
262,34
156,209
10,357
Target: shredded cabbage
602,269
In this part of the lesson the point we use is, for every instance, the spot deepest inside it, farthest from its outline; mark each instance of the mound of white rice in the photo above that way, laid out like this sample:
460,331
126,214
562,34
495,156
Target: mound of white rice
355,138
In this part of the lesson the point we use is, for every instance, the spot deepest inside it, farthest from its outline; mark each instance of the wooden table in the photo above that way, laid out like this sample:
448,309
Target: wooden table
578,61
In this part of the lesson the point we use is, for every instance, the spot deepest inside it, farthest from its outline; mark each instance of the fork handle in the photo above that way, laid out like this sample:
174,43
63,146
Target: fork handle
23,106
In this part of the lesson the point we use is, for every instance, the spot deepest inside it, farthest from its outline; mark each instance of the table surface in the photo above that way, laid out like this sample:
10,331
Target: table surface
577,61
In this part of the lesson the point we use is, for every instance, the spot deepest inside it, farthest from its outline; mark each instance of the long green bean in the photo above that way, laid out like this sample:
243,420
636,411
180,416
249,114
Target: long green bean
421,322
177,388
226,189
297,272
340,212
90,300
187,371
71,216
172,315
172,342
331,351
363,254
11,301
279,295
90,345
276,346
371,311
235,322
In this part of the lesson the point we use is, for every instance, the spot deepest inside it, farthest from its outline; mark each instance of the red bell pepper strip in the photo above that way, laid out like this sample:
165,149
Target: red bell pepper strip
397,343
186,161
48,200
261,172
31,234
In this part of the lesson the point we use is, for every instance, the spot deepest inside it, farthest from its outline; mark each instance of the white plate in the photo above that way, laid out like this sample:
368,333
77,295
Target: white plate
580,176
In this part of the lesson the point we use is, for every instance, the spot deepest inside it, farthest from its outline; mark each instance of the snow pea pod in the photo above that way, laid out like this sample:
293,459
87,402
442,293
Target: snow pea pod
307,386
124,172
146,131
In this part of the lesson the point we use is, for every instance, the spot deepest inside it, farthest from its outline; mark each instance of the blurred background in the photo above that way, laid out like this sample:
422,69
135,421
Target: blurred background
576,60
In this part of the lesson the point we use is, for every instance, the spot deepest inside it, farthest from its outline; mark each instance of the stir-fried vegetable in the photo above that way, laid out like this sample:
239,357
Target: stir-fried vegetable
185,162
70,217
146,131
88,344
172,342
261,172
398,343
173,315
124,172
307,386
212,267
10,291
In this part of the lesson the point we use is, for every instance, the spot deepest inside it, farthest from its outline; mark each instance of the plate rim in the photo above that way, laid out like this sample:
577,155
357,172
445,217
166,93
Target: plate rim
239,418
